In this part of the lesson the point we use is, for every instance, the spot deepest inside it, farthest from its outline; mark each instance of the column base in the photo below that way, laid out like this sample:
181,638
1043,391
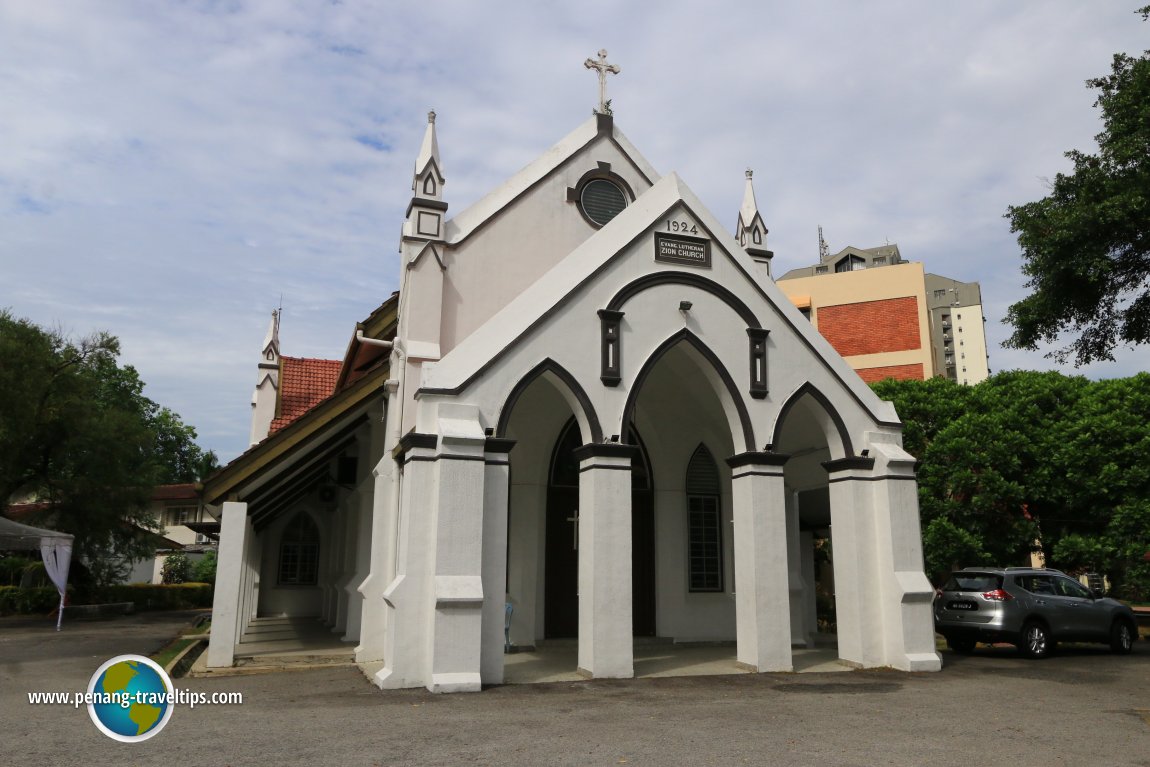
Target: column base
455,682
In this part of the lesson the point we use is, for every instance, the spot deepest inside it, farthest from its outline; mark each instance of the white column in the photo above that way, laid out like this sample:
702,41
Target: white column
906,593
762,599
360,553
605,590
344,547
230,575
384,508
525,558
405,595
796,583
860,625
810,582
455,624
495,496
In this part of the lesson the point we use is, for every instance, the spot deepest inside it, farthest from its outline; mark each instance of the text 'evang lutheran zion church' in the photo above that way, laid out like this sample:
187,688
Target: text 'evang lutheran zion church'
588,413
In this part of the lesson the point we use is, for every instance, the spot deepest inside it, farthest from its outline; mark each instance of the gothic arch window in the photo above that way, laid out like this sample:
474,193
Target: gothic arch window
429,184
704,526
758,237
299,552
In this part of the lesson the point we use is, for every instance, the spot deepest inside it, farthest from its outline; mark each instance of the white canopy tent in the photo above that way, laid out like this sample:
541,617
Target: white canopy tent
55,548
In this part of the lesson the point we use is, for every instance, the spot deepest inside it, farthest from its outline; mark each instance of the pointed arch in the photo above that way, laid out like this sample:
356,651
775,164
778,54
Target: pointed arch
809,389
568,381
686,336
670,277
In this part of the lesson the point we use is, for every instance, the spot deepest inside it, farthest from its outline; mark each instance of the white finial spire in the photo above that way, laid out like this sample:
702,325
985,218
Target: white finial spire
603,69
750,208
429,152
272,340
751,231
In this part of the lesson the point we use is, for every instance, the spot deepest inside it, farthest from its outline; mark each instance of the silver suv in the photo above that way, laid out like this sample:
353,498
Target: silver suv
1032,609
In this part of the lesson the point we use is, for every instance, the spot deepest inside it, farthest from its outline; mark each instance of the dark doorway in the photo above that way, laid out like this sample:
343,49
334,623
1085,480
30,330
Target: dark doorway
561,585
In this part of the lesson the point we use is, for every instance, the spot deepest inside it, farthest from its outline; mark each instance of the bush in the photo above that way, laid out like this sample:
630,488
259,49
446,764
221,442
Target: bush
149,596
12,569
14,599
176,568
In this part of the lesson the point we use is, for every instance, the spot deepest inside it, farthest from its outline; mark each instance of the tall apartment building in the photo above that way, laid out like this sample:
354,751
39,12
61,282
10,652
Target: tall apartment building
890,318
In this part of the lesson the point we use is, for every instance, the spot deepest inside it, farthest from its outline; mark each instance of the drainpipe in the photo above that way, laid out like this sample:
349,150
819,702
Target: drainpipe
359,336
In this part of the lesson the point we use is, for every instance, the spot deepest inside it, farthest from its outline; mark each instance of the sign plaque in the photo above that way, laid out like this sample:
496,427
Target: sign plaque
688,251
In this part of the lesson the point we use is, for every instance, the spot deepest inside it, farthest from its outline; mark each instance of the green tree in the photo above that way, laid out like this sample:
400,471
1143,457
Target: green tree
204,570
1086,245
1027,456
77,433
176,568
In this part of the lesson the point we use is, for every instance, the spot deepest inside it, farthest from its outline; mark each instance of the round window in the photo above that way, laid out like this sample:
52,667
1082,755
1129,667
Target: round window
602,200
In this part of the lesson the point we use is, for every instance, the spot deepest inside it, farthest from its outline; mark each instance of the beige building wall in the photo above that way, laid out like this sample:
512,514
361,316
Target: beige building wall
887,326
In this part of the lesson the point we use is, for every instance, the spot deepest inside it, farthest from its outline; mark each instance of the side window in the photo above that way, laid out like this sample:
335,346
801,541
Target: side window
1037,584
704,534
1069,588
299,552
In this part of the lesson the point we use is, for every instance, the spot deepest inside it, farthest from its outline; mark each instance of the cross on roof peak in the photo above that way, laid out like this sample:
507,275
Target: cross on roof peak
603,69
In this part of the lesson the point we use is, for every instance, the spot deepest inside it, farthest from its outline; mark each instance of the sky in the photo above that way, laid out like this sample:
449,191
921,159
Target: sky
171,171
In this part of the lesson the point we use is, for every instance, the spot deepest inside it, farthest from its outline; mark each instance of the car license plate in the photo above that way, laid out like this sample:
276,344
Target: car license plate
962,606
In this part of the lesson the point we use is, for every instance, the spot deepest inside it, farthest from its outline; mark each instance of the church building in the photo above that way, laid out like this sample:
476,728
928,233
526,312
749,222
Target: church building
588,413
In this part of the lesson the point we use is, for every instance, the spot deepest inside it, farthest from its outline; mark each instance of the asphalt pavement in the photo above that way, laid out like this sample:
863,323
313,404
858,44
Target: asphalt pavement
1083,707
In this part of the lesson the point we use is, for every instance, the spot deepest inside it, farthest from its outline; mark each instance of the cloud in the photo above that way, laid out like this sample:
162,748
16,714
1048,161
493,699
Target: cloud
171,169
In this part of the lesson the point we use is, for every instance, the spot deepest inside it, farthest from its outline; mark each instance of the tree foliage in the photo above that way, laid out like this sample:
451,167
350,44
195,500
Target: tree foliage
78,434
1028,456
1086,245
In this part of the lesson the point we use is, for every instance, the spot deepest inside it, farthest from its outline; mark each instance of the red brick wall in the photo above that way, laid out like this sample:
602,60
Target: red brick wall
898,372
890,325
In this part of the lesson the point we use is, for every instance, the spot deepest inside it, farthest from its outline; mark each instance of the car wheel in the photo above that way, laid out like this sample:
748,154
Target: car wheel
1036,641
961,644
1121,637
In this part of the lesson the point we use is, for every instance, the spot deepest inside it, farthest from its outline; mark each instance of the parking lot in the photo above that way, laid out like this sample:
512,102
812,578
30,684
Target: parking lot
1081,707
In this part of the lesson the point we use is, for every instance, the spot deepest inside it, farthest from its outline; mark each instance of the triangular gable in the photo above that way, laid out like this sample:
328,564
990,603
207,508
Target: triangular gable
517,319
473,218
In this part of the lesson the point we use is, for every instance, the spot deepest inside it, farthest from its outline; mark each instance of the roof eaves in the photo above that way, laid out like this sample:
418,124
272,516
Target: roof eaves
266,452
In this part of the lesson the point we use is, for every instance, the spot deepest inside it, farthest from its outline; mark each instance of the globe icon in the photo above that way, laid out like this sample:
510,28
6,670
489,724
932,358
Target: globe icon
130,698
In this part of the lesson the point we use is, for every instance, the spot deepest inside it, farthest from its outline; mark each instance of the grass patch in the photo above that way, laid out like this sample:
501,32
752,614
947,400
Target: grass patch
168,652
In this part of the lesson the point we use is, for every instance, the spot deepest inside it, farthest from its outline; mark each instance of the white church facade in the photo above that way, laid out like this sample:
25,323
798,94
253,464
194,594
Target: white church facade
588,413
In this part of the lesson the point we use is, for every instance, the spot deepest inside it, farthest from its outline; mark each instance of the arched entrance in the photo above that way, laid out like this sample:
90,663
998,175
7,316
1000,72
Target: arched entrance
809,431
561,556
680,404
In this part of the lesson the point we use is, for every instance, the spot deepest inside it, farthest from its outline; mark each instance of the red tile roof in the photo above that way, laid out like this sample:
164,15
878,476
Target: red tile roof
181,492
304,383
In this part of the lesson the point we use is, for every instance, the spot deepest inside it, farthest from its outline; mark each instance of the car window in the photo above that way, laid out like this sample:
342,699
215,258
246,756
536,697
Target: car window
1036,584
973,582
1069,588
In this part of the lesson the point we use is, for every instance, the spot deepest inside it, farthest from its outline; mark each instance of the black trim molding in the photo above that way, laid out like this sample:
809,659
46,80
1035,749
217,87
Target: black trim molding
754,458
633,288
605,450
498,445
855,462
610,364
414,439
758,350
